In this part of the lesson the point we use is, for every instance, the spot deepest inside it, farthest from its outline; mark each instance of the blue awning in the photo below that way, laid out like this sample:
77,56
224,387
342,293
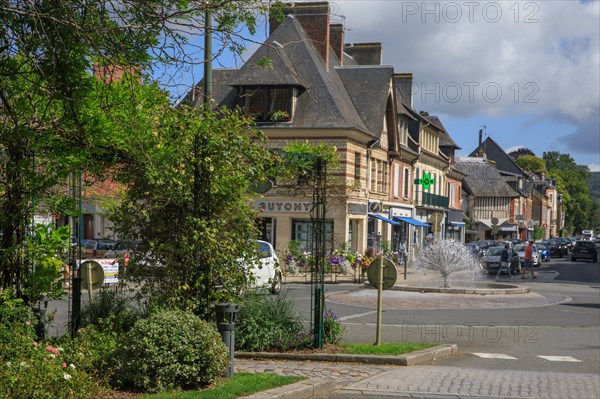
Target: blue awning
412,221
457,224
376,216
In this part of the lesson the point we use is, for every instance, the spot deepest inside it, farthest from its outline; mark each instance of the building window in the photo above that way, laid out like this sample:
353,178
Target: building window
396,180
357,168
303,233
405,183
268,104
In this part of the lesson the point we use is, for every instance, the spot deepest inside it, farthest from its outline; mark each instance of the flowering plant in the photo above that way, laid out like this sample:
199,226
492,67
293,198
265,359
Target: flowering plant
295,258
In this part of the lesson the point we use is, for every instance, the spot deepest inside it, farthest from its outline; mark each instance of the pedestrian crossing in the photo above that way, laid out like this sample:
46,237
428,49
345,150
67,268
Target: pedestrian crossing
509,357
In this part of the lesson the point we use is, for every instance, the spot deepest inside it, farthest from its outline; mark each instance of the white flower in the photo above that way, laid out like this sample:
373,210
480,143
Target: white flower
72,366
8,364
67,376
52,355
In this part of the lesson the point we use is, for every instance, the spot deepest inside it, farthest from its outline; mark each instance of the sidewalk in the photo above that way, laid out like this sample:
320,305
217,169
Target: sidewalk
337,380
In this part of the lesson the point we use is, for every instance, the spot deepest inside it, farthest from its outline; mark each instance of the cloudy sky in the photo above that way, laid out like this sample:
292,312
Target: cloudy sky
529,71
526,72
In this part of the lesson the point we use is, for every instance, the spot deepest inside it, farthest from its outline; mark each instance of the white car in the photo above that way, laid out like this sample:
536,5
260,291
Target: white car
266,272
520,248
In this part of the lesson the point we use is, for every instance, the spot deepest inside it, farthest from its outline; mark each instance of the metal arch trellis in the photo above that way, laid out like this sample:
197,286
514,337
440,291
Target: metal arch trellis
76,226
317,247
317,280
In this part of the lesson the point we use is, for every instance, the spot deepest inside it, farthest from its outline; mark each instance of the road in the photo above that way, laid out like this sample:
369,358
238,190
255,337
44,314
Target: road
562,336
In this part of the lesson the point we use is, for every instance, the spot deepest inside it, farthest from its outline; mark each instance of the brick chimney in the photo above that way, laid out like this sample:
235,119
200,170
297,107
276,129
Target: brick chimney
336,40
314,18
365,53
114,73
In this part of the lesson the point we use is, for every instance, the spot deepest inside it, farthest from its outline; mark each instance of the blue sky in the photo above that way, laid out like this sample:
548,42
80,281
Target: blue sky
529,71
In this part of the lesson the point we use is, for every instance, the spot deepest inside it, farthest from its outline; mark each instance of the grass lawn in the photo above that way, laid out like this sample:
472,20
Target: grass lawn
241,384
390,349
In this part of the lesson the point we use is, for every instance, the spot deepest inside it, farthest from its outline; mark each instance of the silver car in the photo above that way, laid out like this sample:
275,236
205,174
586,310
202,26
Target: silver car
520,248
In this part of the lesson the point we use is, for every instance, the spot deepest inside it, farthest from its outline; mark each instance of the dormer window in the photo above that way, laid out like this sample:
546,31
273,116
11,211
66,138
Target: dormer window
268,103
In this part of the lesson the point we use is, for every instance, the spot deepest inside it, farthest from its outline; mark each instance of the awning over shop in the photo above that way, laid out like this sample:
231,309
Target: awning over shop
376,216
412,221
457,224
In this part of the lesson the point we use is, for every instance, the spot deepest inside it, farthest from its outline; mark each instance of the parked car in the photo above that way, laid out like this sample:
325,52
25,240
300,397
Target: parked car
567,243
520,248
491,260
266,273
475,249
96,248
557,248
585,250
543,251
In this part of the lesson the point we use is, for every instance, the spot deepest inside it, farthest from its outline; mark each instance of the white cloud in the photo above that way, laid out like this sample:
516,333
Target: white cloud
594,167
516,57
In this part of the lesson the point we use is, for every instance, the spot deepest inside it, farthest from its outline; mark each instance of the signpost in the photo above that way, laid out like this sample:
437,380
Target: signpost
381,274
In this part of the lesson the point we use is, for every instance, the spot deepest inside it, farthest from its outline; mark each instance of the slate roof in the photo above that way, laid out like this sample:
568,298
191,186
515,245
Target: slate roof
445,139
504,162
483,180
371,104
323,100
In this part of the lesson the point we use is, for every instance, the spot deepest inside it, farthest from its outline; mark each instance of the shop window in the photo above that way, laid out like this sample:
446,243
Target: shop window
303,233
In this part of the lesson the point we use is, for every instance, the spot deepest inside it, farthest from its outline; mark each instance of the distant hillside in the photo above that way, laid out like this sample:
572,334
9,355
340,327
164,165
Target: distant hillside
594,183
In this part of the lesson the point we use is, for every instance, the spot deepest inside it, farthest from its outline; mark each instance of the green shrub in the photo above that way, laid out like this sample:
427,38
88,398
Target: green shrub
95,351
110,310
332,329
266,322
16,331
172,350
32,369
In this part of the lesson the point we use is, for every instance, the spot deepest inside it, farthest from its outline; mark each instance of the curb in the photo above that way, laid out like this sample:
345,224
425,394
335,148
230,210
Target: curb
310,388
408,359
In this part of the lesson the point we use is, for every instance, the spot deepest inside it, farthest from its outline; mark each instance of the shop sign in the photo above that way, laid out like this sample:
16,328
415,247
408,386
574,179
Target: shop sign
283,206
357,209
400,212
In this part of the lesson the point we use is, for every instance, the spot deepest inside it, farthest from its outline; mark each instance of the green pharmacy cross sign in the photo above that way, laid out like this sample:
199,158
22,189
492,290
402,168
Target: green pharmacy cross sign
426,181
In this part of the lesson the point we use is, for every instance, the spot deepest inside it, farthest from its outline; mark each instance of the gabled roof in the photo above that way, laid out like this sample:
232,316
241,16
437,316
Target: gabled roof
323,100
504,162
483,180
278,71
370,103
445,139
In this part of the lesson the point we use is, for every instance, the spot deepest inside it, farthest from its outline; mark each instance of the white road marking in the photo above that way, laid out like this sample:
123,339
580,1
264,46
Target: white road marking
494,356
560,358
357,315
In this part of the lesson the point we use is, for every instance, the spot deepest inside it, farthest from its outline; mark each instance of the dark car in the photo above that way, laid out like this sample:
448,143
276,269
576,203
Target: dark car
585,250
96,248
557,248
567,243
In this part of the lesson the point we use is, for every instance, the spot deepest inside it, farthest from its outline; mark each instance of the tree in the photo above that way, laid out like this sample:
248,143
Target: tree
571,181
50,104
194,257
516,154
531,163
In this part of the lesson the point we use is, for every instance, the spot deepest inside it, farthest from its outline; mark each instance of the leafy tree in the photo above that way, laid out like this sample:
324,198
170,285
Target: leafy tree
531,163
196,234
516,154
50,105
571,181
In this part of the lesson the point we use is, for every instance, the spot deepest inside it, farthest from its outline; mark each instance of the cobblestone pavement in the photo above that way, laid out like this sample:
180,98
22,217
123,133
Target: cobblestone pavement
342,373
365,381
421,381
